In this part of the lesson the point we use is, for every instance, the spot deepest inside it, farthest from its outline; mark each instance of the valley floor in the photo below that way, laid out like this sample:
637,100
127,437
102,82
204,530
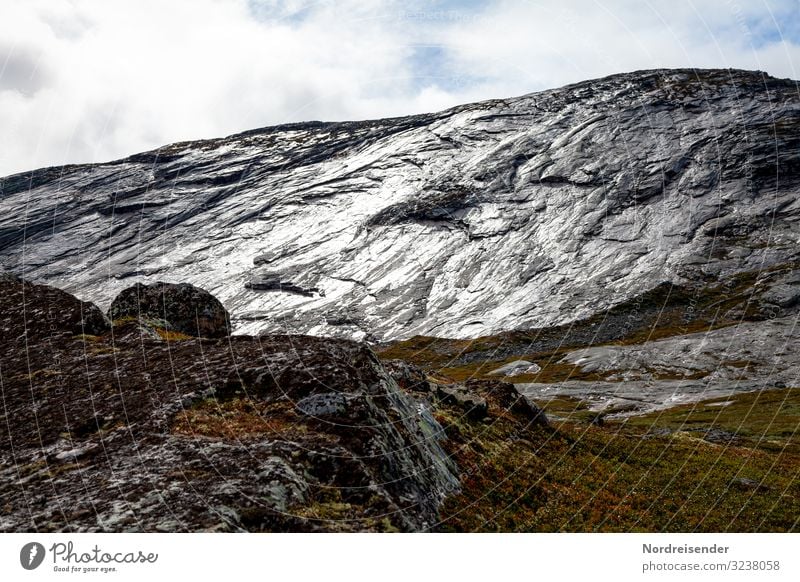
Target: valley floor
722,465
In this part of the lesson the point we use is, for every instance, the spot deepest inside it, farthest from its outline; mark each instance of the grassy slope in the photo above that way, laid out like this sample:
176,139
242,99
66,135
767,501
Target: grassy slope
650,473
666,311
631,477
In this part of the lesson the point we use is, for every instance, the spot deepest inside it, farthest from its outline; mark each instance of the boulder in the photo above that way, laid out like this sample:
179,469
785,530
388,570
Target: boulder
32,311
509,398
185,308
473,405
516,368
408,376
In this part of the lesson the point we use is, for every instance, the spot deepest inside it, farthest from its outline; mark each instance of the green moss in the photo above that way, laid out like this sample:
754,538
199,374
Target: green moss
328,511
768,420
169,335
88,338
237,419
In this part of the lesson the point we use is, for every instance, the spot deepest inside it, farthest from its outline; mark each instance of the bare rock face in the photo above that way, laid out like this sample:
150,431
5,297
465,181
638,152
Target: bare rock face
183,307
121,432
534,211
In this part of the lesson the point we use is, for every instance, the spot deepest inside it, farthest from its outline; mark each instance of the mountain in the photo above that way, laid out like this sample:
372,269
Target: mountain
574,310
135,427
519,213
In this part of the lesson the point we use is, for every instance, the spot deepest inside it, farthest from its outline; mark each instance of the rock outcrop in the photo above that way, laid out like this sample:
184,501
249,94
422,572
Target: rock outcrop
507,214
123,432
516,368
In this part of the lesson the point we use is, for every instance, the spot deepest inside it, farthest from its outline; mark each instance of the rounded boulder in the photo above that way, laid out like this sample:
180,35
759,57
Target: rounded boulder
184,307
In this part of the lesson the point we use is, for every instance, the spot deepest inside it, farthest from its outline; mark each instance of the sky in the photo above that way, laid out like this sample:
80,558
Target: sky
93,80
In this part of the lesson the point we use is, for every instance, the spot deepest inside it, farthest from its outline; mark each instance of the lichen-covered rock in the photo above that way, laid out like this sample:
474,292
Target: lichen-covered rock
408,376
184,307
270,433
32,312
510,398
474,406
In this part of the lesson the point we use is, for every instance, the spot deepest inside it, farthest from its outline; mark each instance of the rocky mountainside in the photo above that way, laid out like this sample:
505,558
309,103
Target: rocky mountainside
361,326
508,214
132,428
131,425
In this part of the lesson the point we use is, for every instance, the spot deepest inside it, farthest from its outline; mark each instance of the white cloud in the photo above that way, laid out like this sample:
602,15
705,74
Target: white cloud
521,46
90,80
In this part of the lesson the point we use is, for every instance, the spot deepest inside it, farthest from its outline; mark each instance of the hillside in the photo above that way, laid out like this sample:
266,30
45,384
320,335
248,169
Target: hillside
509,214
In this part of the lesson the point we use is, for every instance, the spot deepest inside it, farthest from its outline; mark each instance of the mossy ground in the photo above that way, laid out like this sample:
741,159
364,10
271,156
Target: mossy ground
768,420
237,419
172,336
627,476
